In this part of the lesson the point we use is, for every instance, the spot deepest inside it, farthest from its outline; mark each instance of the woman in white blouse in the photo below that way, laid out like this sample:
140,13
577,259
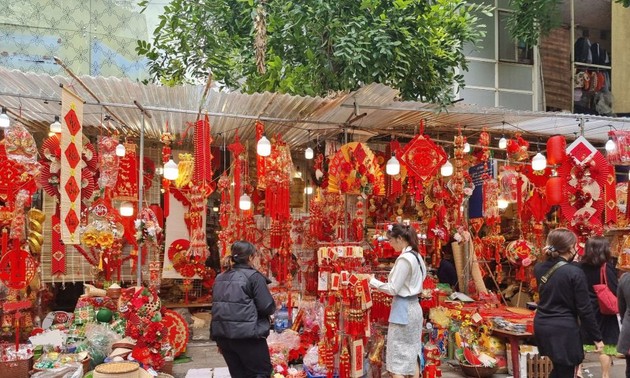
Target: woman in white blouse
404,283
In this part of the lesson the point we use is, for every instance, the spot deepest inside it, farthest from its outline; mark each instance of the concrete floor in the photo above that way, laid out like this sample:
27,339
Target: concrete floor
205,355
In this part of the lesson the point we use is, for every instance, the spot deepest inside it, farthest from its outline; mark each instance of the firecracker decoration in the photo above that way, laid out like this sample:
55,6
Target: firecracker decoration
203,154
70,183
167,140
278,168
393,184
483,153
260,160
461,184
423,159
588,188
353,169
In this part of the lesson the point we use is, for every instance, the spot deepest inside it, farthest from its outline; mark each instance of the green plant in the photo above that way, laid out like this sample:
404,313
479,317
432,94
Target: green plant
533,19
314,47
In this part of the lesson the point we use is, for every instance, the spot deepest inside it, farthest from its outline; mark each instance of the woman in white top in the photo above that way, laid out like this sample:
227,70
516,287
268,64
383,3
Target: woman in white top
404,283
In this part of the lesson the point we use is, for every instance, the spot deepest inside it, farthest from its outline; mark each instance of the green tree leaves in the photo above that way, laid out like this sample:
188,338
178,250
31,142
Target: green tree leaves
317,46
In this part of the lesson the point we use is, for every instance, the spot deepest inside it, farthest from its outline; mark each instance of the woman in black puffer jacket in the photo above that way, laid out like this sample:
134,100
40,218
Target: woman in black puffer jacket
241,307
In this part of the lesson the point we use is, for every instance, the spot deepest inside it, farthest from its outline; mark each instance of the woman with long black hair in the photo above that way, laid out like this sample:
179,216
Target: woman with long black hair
404,283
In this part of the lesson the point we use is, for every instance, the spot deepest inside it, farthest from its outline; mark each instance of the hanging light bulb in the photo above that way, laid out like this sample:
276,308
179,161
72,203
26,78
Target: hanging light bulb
392,167
308,190
55,127
121,150
244,202
503,142
5,121
263,147
466,147
610,145
447,169
171,171
126,209
308,153
502,203
539,162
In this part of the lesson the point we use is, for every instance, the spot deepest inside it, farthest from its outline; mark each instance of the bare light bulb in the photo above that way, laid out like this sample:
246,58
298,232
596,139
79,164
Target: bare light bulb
539,162
263,147
308,153
171,171
502,203
55,127
126,209
244,202
121,150
610,145
5,121
392,167
503,143
447,169
466,147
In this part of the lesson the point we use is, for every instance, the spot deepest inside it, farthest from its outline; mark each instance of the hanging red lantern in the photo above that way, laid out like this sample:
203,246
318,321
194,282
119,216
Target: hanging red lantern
556,149
553,190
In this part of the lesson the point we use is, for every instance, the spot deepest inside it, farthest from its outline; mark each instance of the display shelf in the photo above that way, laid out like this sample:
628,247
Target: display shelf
187,305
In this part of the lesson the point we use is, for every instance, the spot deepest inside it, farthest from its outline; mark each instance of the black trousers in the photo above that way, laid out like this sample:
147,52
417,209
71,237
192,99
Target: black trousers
628,366
562,371
246,358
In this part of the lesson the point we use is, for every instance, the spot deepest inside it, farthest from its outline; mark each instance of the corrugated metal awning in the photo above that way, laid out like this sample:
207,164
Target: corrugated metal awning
35,99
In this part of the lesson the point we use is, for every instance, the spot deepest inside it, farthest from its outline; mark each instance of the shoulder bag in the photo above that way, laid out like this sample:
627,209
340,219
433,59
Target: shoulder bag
606,298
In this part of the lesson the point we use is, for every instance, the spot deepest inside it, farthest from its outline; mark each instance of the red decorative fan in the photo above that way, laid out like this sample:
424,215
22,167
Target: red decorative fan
177,332
178,245
88,183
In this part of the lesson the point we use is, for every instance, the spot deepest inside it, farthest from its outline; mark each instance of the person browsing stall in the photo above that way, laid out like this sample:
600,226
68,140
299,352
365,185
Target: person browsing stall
404,283
563,300
241,307
595,262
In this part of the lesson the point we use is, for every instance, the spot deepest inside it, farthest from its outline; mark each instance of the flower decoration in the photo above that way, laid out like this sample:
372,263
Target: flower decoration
354,170
142,310
147,227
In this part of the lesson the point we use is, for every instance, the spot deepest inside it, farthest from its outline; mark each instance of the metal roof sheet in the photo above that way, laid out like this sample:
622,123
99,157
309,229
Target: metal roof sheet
35,98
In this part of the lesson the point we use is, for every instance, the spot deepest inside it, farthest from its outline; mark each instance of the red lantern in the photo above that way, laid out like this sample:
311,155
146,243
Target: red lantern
553,189
556,149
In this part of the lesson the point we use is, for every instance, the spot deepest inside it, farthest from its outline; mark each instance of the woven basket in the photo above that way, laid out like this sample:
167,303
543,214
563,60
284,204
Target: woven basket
15,369
125,369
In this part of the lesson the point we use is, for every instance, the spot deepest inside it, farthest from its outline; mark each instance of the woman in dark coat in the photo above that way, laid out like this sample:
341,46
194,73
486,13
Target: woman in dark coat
623,297
596,255
563,299
241,307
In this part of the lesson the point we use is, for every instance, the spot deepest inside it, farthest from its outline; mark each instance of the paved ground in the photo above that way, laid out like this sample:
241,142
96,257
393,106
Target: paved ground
205,355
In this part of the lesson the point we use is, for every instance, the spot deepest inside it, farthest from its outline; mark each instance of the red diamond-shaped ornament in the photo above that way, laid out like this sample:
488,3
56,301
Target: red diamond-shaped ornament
73,156
72,221
72,189
72,121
